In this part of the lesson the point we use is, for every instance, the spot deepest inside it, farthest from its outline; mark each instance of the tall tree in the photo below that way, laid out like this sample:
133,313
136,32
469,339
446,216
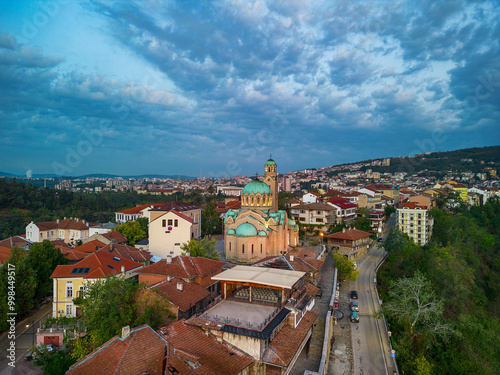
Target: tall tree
203,248
133,231
345,267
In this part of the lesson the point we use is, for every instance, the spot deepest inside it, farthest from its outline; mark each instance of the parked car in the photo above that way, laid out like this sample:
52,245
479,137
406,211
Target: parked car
28,356
380,239
354,294
354,306
354,317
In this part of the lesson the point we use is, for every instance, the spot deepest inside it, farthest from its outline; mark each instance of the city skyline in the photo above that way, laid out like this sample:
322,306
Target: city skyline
213,89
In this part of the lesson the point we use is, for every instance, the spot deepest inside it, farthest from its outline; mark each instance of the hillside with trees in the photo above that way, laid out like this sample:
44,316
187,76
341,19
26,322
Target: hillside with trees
442,300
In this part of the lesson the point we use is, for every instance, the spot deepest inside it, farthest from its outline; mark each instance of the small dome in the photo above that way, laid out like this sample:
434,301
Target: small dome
246,230
230,231
270,162
255,187
262,234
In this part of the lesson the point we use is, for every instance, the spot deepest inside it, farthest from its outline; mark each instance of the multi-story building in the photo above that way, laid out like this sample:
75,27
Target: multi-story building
313,213
134,213
345,211
353,243
187,209
68,230
415,221
70,281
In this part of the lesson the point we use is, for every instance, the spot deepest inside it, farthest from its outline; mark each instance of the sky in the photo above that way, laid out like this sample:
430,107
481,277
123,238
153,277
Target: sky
212,88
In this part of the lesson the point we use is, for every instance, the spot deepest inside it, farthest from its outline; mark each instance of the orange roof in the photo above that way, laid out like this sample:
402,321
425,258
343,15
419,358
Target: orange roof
72,254
115,236
182,216
60,243
15,241
137,209
64,224
187,344
184,266
349,234
127,252
90,247
191,293
4,254
96,265
142,352
288,341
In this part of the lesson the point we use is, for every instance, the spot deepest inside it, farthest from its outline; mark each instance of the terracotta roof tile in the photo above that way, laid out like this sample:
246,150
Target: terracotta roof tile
72,254
349,234
137,209
127,252
75,224
100,264
115,236
342,203
191,293
90,247
187,343
15,241
184,266
143,350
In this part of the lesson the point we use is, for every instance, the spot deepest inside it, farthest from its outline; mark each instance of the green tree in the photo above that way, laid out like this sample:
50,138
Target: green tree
58,363
210,220
345,267
43,258
133,231
389,210
203,248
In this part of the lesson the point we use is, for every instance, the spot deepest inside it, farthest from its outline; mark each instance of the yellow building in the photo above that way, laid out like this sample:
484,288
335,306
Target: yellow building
70,281
415,221
259,229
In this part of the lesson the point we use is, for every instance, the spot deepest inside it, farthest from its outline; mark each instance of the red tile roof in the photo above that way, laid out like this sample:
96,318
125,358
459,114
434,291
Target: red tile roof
4,254
137,209
143,350
60,243
288,341
74,224
15,241
115,236
349,234
342,203
90,247
412,206
187,343
127,252
191,293
184,266
72,254
100,264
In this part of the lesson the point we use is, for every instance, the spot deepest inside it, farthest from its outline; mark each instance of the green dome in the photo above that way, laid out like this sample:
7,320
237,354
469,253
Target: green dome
246,230
255,187
230,231
270,162
262,234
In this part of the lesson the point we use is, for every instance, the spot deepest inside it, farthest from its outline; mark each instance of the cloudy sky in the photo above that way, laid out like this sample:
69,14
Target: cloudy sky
214,87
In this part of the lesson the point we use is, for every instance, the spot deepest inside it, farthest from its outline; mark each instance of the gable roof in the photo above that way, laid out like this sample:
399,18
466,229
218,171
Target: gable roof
15,241
115,236
183,266
4,254
182,216
96,265
72,254
187,343
179,206
349,234
342,203
137,209
191,292
127,252
90,247
73,224
143,350
313,206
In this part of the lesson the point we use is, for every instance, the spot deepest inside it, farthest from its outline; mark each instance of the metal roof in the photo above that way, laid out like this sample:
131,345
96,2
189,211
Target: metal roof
259,275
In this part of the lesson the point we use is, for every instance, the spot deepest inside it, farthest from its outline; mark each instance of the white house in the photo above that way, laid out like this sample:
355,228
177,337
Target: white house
168,232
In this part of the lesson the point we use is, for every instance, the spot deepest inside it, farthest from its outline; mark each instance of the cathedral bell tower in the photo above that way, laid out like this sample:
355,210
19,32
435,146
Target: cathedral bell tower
271,180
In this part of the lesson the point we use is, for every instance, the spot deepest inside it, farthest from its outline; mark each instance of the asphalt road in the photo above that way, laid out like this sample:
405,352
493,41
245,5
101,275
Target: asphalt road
24,338
371,353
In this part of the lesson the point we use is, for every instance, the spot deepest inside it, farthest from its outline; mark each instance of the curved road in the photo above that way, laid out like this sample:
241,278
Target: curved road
371,350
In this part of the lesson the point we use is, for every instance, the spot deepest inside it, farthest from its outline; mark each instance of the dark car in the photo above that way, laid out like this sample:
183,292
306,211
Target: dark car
28,356
380,239
354,294
354,317
354,306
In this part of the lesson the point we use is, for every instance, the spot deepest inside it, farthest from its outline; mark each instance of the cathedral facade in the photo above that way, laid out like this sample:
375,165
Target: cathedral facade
259,229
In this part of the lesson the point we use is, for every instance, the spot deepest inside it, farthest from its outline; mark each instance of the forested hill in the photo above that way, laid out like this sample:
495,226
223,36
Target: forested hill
475,160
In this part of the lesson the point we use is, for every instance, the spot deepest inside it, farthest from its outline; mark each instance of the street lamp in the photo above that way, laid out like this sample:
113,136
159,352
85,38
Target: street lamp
27,326
321,234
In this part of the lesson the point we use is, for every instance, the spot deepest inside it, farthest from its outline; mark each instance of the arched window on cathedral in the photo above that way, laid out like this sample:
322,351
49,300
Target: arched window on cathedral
243,249
261,248
257,200
229,246
252,248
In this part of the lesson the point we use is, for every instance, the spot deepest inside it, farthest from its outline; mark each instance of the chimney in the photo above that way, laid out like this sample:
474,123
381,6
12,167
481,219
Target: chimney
292,258
343,230
169,278
123,269
111,247
180,286
77,219
125,332
57,221
64,217
169,259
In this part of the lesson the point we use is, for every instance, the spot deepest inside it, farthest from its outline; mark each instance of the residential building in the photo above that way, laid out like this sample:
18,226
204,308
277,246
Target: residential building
353,243
321,214
107,238
134,213
70,281
415,221
16,241
191,351
259,229
140,350
128,252
187,209
168,232
265,312
68,230
310,197
101,228
345,211
233,191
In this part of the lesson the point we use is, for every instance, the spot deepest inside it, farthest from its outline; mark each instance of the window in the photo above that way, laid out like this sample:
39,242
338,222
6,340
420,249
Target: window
229,246
318,212
170,221
319,220
302,211
41,235
176,223
69,310
164,223
69,291
252,248
243,249
261,248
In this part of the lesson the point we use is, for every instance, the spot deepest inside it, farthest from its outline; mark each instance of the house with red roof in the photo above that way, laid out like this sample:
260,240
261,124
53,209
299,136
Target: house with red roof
415,221
168,231
353,243
313,213
128,252
69,230
70,281
345,211
107,238
134,213
140,351
185,208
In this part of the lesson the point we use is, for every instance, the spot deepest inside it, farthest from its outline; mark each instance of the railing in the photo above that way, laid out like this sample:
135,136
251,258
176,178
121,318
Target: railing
241,322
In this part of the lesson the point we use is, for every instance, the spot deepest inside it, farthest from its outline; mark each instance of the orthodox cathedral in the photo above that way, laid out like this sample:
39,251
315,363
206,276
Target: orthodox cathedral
259,229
